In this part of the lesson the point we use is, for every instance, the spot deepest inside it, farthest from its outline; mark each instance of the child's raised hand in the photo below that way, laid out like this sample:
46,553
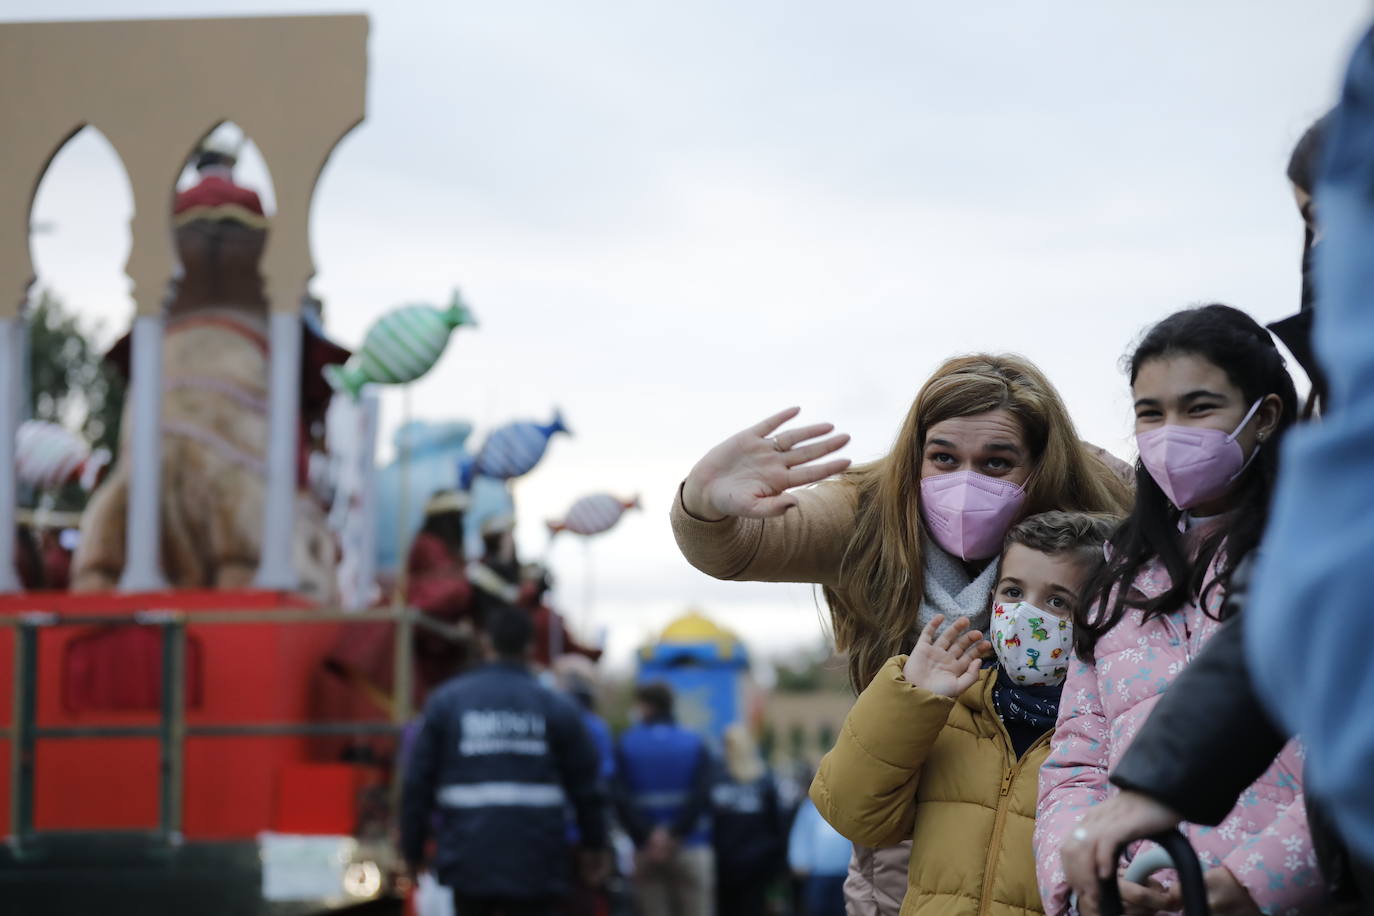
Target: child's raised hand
947,664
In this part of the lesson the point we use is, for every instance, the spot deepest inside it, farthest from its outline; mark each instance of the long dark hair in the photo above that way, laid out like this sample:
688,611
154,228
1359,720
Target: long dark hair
1232,341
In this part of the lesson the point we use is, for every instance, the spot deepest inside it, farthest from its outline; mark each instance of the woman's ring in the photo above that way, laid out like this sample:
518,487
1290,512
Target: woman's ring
1080,834
777,446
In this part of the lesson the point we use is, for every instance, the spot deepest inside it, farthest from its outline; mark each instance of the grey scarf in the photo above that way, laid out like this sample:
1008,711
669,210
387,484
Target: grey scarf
950,591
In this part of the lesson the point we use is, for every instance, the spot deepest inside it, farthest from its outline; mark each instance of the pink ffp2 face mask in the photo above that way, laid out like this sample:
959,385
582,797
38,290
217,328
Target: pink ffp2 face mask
1193,464
968,513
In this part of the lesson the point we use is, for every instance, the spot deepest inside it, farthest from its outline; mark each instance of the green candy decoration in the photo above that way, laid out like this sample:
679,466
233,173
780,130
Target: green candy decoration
401,346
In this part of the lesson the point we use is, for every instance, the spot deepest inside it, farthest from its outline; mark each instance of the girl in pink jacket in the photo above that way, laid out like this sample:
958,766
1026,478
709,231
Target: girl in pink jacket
1212,397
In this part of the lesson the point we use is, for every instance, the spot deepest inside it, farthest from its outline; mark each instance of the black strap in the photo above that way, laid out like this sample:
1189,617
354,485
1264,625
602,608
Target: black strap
1189,875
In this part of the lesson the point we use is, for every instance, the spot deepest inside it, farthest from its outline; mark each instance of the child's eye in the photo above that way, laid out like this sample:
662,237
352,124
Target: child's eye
1059,603
1146,414
1011,591
1202,408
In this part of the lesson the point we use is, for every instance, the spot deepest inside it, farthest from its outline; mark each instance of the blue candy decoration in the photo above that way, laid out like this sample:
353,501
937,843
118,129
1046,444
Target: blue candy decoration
514,449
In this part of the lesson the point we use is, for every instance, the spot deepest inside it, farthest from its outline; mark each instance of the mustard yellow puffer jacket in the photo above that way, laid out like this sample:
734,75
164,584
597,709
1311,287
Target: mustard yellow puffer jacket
942,772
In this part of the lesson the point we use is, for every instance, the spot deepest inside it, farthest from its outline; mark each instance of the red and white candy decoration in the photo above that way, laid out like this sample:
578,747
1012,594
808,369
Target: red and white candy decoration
48,456
594,514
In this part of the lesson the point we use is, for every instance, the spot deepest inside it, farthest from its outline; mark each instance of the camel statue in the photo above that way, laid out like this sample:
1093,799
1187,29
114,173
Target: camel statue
214,411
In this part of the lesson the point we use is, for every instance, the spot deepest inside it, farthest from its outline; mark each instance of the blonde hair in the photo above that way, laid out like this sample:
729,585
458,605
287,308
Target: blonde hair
882,575
742,760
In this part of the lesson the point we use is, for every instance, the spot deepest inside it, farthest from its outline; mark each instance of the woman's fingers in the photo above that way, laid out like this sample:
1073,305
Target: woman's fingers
767,426
814,473
793,437
803,454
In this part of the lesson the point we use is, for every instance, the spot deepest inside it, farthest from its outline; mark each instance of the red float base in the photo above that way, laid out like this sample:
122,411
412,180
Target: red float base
245,673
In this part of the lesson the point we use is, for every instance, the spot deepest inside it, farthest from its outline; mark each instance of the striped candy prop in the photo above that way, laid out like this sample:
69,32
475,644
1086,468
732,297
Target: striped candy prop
594,514
513,449
48,456
401,346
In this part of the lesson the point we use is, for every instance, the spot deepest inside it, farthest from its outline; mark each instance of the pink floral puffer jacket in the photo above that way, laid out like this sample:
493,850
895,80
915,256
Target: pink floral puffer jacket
1264,841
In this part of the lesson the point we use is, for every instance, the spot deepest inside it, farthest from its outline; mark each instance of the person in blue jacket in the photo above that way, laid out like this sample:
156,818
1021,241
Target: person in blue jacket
1311,598
819,856
501,758
663,796
587,899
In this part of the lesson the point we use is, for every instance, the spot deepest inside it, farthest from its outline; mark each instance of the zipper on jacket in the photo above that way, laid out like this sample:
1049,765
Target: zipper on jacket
1009,772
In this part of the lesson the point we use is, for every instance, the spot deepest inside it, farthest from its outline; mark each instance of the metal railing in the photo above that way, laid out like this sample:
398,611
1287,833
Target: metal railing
172,730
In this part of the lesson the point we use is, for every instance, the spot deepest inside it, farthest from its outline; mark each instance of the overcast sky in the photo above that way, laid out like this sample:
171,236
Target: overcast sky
675,218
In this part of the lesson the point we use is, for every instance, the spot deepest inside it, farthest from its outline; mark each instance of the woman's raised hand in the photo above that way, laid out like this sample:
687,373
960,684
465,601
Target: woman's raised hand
946,664
749,474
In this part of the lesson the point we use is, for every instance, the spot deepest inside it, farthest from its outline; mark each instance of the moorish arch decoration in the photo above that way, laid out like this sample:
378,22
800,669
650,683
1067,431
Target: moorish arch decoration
155,89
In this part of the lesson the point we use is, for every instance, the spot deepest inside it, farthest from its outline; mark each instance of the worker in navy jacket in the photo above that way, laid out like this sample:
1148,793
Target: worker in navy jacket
663,797
501,758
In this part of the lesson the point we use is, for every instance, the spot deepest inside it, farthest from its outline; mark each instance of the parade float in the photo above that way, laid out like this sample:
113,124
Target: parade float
208,720
707,667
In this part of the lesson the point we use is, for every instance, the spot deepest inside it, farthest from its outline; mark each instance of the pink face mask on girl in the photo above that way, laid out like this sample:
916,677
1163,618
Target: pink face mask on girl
968,513
1191,464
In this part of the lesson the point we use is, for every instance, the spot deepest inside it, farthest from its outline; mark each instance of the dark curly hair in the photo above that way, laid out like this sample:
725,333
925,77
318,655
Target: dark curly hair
1079,533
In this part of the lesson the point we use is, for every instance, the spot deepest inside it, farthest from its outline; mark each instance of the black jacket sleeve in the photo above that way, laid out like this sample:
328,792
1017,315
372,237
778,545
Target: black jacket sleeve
1207,739
698,796
579,766
417,792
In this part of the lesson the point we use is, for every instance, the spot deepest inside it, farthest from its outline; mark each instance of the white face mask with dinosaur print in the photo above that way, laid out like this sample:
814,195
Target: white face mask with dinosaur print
1032,646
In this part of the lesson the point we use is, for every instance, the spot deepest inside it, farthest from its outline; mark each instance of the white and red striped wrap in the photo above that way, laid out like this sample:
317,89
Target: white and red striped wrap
48,456
594,514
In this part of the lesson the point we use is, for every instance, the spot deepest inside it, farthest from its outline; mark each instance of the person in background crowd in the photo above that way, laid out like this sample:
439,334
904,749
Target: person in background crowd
947,752
663,797
495,576
819,855
1212,399
58,545
551,636
987,442
28,559
502,758
437,585
576,677
747,828
1296,330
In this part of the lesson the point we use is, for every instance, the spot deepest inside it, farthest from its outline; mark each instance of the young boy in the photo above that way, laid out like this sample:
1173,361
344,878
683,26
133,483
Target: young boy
945,752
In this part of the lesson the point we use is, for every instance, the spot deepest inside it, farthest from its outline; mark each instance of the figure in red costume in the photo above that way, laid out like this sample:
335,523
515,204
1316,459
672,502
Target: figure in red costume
217,191
437,585
551,637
